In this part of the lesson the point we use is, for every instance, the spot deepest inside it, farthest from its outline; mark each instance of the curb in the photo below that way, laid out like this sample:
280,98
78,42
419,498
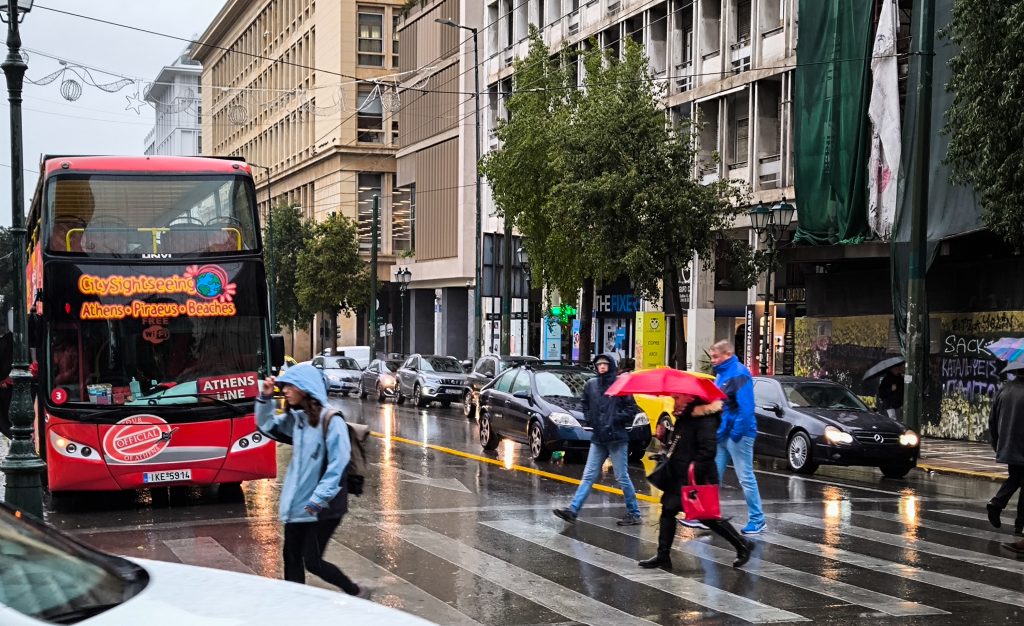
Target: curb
953,471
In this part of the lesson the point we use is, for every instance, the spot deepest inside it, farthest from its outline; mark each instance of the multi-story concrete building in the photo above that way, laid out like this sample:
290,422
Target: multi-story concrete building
292,85
175,97
725,63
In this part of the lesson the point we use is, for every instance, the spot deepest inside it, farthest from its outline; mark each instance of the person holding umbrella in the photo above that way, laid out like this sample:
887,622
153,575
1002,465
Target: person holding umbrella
1006,430
889,397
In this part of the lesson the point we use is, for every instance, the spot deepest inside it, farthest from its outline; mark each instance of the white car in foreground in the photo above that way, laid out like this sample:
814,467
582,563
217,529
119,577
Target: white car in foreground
49,578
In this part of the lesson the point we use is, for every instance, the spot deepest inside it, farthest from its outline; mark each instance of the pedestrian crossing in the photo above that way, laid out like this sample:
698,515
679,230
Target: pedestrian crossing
864,563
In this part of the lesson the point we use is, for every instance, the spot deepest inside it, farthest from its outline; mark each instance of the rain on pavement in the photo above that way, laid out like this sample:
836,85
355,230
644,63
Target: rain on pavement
458,540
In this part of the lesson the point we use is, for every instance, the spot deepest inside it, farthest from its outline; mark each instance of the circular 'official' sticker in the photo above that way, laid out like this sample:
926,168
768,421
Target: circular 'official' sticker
137,439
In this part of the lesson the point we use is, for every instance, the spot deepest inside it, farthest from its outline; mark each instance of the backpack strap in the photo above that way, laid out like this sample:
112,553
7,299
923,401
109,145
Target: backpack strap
325,422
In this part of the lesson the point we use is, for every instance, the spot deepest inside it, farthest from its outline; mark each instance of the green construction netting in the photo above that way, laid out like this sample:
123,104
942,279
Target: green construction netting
832,90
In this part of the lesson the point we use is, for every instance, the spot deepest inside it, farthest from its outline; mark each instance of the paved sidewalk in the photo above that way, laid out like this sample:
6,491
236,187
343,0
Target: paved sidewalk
963,458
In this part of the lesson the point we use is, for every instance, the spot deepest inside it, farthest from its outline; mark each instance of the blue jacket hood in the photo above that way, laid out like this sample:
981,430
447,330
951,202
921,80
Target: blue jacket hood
308,379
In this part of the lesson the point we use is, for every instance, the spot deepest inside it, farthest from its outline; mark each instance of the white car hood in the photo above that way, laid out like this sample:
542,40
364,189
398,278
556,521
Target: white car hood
198,596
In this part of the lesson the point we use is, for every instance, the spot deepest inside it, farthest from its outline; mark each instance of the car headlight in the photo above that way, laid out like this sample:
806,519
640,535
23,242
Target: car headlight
564,419
641,419
836,436
334,377
387,380
910,439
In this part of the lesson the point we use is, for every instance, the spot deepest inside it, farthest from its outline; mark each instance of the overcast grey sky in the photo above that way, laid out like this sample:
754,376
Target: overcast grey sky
97,123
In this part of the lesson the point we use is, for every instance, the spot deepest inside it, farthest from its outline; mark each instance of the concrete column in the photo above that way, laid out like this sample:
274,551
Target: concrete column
700,317
455,313
421,321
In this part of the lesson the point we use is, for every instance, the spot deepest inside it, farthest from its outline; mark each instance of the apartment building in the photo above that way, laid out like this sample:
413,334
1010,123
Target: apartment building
301,90
175,97
726,64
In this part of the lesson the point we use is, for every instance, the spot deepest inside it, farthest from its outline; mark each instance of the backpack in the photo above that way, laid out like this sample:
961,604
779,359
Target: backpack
355,471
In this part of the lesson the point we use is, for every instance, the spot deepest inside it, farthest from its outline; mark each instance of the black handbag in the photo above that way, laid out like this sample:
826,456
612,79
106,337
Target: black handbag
661,476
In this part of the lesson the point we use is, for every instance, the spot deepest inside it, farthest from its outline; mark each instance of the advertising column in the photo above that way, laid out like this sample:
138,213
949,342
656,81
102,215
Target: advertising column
650,339
551,338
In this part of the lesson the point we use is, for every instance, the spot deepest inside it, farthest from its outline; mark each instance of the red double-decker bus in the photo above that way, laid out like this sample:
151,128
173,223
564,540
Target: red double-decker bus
148,317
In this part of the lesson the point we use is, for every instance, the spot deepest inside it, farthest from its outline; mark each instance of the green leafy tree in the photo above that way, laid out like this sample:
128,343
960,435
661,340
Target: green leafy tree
330,275
986,148
292,233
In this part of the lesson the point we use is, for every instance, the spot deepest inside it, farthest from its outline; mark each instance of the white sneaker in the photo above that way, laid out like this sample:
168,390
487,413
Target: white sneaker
692,523
365,592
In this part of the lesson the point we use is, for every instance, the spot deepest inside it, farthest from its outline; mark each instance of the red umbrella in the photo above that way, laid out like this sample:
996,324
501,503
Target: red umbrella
665,381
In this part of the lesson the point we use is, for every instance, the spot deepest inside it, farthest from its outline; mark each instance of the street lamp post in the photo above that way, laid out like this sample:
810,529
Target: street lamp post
22,467
770,225
478,316
524,261
402,277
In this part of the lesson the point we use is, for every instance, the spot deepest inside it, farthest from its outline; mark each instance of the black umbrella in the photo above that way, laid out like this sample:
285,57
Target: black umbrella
879,368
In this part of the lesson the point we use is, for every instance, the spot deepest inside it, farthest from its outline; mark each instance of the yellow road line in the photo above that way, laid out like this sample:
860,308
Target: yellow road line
964,472
518,468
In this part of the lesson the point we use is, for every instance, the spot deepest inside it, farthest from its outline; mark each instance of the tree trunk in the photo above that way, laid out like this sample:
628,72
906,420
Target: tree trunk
586,320
672,285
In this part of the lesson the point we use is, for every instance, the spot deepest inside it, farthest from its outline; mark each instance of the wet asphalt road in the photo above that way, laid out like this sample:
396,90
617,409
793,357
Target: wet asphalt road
458,540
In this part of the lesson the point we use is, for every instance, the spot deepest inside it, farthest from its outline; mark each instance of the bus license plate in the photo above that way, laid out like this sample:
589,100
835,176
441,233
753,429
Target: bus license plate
169,476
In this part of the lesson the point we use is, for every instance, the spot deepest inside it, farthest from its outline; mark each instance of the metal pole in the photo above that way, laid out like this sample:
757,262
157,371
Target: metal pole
765,338
506,292
478,315
917,294
373,274
22,467
273,254
401,330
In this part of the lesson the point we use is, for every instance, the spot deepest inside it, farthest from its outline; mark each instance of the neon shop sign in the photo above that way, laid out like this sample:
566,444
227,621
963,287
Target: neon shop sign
209,294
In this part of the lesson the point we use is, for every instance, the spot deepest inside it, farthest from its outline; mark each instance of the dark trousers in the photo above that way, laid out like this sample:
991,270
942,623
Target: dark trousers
1010,487
304,546
671,506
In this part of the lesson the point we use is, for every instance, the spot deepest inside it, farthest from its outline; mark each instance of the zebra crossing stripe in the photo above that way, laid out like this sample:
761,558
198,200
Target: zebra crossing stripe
985,535
685,588
844,592
900,570
539,590
968,514
898,541
206,552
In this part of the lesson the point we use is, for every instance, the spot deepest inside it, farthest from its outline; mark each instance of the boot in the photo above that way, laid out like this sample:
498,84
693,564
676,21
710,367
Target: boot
994,512
729,533
658,560
666,534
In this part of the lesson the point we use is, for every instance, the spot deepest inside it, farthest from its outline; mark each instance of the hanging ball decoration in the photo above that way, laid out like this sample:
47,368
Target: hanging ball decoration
238,114
71,89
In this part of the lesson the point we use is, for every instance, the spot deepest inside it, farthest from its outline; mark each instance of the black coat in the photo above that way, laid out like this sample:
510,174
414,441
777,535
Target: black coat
607,415
696,429
1006,423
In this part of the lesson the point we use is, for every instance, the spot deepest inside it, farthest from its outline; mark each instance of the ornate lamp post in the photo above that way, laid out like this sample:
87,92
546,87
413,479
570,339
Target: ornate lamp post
402,276
524,261
770,225
22,467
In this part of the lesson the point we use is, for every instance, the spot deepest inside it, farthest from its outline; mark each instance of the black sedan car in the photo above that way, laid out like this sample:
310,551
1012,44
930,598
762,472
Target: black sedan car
811,422
487,367
540,405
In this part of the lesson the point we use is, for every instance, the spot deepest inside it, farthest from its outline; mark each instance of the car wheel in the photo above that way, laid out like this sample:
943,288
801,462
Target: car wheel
362,391
468,409
488,438
399,398
896,470
798,454
636,454
418,399
539,450
380,394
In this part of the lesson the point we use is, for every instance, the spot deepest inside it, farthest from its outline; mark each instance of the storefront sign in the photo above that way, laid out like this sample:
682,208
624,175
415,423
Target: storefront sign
207,287
575,340
551,336
233,387
618,303
650,339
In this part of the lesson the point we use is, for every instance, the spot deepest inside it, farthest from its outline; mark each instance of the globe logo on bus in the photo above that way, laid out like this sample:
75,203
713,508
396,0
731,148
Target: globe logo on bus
211,281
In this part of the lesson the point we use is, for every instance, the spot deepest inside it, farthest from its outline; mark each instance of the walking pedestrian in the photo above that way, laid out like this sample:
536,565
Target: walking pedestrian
6,384
738,429
1006,429
608,417
695,442
313,496
889,397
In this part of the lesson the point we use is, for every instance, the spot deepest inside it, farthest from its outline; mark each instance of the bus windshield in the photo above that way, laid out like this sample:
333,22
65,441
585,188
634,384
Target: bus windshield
151,215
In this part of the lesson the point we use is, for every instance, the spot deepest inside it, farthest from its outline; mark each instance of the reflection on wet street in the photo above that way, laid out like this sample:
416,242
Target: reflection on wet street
458,535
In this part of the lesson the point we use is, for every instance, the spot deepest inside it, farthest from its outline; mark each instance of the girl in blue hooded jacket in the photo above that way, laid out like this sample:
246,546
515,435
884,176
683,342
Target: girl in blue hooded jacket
313,498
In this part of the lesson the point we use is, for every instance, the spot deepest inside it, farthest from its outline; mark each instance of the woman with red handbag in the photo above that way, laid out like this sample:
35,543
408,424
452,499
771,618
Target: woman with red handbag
694,442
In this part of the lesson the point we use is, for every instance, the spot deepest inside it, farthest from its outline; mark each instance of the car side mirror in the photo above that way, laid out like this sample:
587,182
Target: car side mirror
773,407
276,351
523,395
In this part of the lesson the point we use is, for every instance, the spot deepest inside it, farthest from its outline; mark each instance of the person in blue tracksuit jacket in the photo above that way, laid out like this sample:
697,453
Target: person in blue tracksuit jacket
313,496
738,429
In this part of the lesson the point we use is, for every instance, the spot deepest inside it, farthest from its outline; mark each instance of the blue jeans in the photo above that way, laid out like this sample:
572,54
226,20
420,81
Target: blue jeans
742,454
618,452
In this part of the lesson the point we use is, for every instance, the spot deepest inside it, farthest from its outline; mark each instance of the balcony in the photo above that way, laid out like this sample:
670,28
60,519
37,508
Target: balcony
769,171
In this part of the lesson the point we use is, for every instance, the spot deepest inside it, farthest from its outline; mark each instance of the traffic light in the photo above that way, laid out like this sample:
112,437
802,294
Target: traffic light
563,312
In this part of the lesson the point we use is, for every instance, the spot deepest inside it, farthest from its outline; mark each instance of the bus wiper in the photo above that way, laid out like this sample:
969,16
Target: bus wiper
208,396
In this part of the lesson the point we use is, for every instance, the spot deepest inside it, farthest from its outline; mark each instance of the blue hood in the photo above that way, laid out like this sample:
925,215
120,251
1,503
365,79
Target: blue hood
308,379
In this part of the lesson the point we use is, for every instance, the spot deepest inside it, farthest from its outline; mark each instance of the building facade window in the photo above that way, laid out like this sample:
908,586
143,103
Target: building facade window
369,116
369,186
371,37
394,40
401,219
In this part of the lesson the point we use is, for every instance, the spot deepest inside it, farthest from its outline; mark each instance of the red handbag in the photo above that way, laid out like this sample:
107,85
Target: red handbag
700,502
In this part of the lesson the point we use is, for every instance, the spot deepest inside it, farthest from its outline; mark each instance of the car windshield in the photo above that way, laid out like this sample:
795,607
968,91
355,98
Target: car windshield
822,396
504,364
442,364
340,363
46,577
564,384
393,365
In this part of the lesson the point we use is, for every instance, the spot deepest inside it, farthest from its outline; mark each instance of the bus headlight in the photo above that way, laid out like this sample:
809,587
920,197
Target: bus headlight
909,439
73,449
837,437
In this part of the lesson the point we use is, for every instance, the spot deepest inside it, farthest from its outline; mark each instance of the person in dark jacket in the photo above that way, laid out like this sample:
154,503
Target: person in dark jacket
608,417
696,442
1006,429
6,384
889,398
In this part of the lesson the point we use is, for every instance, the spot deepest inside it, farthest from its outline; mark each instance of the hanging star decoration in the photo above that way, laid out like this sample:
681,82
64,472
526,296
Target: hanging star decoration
135,103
